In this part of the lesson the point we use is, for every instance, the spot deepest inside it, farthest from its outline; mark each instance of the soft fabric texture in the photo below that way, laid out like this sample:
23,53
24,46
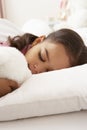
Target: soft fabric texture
83,33
7,28
54,92
37,27
48,93
12,62
13,65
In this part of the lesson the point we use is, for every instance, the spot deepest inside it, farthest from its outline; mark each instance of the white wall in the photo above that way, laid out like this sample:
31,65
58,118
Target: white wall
19,11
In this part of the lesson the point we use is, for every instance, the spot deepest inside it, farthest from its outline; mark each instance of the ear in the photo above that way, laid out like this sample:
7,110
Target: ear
38,40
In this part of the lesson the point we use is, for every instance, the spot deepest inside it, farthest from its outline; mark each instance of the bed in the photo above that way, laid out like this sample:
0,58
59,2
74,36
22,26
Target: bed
58,104
70,121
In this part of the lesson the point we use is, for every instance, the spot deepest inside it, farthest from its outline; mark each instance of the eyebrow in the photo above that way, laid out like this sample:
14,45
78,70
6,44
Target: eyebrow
47,54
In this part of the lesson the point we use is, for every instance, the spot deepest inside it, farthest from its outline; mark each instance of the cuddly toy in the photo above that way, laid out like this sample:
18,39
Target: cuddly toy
72,14
13,65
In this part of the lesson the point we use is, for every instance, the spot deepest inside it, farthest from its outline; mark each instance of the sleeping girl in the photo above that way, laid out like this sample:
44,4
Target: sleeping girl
60,49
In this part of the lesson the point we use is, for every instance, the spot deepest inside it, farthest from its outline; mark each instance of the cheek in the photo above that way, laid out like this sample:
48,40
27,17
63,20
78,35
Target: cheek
31,57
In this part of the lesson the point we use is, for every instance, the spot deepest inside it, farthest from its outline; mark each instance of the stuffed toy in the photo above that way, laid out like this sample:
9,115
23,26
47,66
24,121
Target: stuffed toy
72,14
13,65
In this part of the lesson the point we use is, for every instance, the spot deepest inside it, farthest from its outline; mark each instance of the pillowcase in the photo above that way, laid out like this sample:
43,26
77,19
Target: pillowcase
48,93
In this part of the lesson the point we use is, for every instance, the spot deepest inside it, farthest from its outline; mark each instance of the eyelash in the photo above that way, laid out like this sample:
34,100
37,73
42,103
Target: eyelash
40,57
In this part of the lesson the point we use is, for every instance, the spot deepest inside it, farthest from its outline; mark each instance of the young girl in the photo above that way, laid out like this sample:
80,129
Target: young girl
60,49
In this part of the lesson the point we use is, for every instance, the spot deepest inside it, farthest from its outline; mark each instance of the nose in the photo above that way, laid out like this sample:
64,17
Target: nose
37,69
34,69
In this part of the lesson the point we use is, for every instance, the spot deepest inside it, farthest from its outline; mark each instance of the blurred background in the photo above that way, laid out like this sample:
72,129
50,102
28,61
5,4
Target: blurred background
73,13
19,11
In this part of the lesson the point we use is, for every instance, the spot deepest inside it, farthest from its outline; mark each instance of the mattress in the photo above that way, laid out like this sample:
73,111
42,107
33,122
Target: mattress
69,121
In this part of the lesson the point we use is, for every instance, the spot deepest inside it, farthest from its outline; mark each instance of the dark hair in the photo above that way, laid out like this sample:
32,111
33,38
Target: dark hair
20,42
73,43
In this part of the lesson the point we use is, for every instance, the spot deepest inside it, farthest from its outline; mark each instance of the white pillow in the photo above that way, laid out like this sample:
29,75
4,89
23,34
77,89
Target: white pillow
83,33
37,27
7,28
49,93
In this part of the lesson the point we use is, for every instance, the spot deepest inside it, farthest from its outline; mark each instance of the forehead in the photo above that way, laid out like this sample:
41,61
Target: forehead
58,57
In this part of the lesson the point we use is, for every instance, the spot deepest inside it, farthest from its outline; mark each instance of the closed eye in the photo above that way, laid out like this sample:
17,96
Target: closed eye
40,57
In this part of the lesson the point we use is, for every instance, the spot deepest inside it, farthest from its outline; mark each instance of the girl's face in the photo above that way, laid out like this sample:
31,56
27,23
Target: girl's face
47,56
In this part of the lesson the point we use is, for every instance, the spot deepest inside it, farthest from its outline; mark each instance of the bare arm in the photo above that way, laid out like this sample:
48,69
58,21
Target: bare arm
7,86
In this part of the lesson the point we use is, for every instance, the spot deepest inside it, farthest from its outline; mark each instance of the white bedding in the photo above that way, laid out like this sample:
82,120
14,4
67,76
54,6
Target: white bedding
49,93
70,121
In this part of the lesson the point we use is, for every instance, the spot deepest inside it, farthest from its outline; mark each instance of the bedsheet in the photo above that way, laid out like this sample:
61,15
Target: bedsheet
69,121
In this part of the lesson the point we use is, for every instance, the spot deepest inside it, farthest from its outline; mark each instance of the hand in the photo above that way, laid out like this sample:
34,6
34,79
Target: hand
7,86
13,85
